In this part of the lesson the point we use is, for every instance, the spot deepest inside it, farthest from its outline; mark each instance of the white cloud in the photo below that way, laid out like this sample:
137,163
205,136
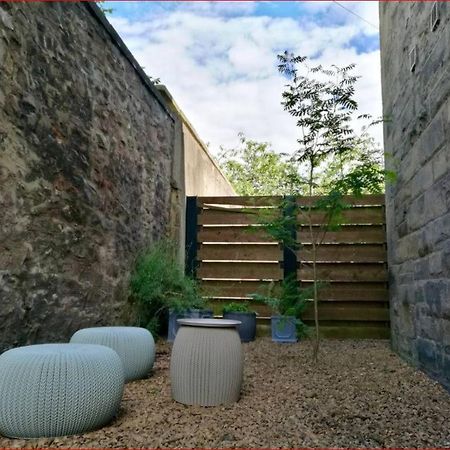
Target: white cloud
221,68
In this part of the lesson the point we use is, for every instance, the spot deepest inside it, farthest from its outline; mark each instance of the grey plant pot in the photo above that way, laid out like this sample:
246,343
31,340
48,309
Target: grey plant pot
188,314
247,328
284,328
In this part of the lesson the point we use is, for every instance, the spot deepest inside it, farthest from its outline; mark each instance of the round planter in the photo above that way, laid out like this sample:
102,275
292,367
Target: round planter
284,328
247,328
206,365
189,314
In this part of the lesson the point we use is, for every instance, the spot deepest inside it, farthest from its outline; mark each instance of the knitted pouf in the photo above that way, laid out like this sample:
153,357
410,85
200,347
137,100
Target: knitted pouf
58,389
135,346
206,365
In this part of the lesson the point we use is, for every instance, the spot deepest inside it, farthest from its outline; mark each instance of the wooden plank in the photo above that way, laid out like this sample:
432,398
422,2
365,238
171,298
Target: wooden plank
360,330
364,200
239,252
241,201
370,312
240,270
344,272
332,292
357,292
355,215
241,234
347,234
344,253
236,216
236,289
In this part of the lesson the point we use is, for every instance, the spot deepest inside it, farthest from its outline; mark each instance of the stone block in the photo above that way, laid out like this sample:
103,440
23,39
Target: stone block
427,354
434,295
429,328
441,162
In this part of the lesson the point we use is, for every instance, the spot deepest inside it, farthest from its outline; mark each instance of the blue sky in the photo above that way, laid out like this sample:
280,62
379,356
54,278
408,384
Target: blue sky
218,59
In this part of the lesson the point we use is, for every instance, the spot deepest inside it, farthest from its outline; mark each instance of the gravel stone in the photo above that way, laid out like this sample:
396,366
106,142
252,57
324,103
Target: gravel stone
359,394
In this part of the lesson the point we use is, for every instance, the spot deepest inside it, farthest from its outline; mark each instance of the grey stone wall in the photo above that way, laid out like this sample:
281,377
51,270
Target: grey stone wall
86,156
417,134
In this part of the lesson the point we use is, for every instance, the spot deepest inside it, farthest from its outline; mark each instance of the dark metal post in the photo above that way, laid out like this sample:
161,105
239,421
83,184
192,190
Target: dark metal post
191,236
290,254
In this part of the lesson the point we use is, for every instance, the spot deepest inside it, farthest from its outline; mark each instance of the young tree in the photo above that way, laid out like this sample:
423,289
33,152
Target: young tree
322,102
255,169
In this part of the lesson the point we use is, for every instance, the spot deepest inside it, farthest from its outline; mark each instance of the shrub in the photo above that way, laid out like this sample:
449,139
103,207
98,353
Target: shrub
158,284
236,307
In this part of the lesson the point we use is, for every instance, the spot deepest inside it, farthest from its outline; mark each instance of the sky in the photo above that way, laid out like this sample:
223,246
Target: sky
219,59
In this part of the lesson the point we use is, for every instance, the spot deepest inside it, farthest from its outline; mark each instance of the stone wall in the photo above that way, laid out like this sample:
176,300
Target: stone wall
86,163
416,105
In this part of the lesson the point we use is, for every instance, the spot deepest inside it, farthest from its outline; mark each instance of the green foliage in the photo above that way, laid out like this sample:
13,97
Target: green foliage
236,307
290,300
255,169
336,160
158,284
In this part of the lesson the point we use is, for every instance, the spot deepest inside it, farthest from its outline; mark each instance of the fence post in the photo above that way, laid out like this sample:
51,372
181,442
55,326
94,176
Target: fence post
191,236
289,254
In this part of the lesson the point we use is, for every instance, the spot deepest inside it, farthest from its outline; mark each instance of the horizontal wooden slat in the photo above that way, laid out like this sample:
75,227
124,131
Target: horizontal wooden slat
358,215
344,252
233,234
240,270
344,272
236,252
336,330
242,201
370,234
237,289
235,216
364,200
349,311
334,291
357,330
358,292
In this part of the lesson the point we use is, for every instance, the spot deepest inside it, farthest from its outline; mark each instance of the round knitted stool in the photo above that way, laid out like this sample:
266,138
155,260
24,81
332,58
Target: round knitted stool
135,347
206,365
58,389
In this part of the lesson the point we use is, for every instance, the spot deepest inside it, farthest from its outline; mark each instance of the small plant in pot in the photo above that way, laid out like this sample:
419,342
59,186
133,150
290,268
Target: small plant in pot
242,312
287,305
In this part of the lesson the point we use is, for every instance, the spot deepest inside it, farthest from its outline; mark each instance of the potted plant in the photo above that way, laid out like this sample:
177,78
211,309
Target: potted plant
287,305
160,289
241,312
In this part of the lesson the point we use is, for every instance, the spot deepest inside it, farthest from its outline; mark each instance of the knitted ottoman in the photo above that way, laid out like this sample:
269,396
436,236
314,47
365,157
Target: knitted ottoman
58,389
135,346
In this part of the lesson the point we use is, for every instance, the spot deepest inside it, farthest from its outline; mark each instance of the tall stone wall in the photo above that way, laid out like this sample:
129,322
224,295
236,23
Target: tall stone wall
86,157
416,106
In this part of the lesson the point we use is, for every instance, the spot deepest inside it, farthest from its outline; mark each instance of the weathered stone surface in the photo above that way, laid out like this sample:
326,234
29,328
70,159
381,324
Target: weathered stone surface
86,153
418,205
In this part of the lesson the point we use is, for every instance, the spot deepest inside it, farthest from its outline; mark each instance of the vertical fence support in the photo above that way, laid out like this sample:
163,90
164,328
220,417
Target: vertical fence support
290,254
191,236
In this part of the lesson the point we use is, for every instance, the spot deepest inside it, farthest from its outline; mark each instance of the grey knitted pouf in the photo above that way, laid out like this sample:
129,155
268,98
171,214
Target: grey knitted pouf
58,389
206,365
134,345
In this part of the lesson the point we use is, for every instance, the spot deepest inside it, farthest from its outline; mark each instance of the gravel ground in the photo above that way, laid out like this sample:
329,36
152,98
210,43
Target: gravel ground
360,394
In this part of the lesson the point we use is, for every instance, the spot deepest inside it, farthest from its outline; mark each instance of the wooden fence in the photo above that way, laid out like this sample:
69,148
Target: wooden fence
232,256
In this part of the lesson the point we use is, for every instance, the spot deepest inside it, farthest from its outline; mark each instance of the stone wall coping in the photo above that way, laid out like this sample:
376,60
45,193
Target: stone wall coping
118,42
